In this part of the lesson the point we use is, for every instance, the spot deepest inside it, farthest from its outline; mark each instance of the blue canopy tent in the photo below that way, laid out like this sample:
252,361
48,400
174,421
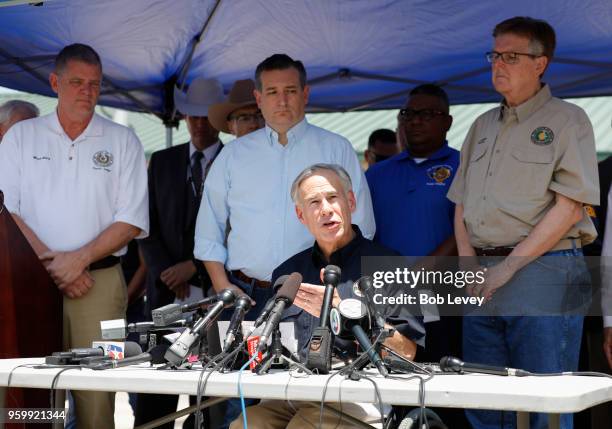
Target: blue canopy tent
359,54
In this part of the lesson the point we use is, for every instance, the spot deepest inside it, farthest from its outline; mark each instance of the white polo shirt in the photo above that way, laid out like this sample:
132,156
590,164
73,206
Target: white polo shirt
68,191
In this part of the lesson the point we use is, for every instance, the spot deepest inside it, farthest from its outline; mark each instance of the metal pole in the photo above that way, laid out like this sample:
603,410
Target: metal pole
168,136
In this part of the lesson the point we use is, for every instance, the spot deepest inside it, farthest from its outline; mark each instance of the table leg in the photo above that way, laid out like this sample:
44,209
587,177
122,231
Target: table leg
522,420
60,402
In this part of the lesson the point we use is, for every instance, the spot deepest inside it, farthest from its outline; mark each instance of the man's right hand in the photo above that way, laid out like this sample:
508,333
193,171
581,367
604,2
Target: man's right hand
607,344
79,287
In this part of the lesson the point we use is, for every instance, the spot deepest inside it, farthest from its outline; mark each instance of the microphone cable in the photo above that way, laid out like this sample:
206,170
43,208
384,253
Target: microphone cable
244,418
10,394
347,370
222,359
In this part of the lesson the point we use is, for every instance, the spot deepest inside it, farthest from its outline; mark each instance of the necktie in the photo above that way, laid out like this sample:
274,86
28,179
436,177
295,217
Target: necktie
196,172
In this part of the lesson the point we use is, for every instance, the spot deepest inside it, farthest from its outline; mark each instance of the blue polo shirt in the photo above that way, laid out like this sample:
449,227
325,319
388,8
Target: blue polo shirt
413,215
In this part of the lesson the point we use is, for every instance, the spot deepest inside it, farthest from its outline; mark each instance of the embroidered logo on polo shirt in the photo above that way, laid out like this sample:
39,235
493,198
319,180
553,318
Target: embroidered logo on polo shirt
103,159
41,158
542,136
482,140
439,173
590,210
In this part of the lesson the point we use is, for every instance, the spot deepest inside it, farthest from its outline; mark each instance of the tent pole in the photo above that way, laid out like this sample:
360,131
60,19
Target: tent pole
168,136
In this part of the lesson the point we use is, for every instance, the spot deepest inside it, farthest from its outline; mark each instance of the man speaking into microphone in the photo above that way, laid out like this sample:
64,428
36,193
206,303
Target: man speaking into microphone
324,201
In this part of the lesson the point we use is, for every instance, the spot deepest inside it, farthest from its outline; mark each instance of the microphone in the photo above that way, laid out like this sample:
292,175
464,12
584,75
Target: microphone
453,364
179,350
331,277
141,358
320,345
167,314
284,298
351,315
130,349
77,355
366,287
242,307
270,304
119,329
366,345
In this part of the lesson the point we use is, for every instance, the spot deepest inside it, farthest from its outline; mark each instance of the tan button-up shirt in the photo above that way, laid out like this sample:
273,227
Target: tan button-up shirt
513,162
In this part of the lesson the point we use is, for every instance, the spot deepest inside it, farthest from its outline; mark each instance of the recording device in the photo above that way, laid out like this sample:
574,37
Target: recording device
79,356
320,346
351,316
179,350
453,364
170,313
242,307
119,328
283,299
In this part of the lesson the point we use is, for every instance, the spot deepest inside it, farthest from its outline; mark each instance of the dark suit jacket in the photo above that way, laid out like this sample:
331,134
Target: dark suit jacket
172,222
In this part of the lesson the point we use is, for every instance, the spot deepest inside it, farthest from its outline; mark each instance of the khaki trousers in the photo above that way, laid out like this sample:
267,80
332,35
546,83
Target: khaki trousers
274,414
106,300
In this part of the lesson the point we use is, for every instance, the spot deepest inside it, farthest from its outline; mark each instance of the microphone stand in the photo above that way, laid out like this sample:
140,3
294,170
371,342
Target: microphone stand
276,356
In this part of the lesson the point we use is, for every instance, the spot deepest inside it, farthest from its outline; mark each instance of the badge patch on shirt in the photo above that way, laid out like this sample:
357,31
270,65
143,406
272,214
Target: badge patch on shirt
542,136
439,173
103,159
590,210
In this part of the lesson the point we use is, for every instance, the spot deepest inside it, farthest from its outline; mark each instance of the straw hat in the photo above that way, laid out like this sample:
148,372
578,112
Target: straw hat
202,93
241,95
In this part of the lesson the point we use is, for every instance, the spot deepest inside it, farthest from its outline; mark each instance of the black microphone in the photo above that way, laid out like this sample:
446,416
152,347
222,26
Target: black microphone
119,329
321,340
366,345
270,304
242,307
366,286
130,349
77,355
284,298
453,364
179,350
141,358
331,277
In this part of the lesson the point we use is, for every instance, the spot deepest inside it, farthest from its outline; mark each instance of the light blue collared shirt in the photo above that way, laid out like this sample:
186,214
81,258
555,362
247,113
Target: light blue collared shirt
249,184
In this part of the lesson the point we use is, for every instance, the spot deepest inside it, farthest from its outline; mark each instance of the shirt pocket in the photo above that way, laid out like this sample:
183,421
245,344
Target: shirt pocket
529,170
476,172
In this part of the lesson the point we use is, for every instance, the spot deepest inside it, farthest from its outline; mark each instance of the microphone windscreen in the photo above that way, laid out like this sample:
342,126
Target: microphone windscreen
157,353
279,282
290,287
131,349
450,364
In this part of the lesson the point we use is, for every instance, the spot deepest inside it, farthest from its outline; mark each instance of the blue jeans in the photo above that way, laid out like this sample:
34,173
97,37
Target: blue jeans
260,296
555,288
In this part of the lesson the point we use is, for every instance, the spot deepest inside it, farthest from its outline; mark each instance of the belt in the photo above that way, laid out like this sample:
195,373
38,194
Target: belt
257,283
565,244
109,261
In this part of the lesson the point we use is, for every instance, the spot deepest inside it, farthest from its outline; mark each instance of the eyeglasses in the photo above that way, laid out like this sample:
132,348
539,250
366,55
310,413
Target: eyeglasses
248,117
507,57
424,114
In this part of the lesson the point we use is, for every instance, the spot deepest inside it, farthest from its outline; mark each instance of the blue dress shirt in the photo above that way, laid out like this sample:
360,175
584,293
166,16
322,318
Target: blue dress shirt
413,215
249,185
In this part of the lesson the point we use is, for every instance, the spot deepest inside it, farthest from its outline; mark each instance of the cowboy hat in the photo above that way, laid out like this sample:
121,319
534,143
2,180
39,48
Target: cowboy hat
202,93
241,95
